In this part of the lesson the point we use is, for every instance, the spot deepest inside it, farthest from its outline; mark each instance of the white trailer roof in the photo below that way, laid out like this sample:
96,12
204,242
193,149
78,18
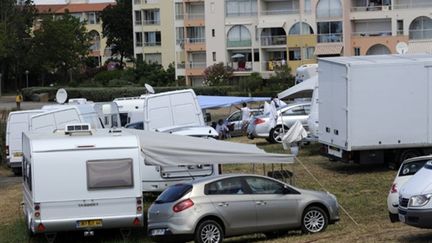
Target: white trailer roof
379,59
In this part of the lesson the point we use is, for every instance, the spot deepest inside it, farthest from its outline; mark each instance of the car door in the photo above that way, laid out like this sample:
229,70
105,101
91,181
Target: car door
235,121
233,203
293,114
277,205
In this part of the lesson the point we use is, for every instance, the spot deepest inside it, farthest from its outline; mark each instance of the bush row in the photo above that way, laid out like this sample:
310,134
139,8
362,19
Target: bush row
107,94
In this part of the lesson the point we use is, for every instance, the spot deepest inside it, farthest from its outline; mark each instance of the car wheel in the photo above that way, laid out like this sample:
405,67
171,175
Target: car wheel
314,220
394,217
209,231
277,133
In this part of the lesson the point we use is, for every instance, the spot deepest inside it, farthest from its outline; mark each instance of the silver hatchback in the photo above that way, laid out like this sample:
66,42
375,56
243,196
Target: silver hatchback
209,209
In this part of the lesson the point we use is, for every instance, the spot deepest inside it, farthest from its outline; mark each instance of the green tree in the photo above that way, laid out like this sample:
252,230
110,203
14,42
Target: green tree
282,78
218,74
60,44
251,83
117,28
16,21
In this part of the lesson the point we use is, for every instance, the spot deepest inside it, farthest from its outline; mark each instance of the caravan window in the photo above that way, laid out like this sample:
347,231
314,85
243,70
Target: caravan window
26,172
105,174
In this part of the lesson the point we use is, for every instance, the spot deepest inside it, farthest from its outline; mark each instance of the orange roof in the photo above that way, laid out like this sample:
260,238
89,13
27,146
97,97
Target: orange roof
73,7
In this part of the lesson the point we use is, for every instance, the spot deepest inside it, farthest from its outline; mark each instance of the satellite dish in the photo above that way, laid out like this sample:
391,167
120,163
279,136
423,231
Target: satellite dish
61,96
149,88
402,48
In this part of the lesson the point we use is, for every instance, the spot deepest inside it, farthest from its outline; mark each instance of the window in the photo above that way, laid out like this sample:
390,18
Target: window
179,12
153,58
179,35
309,52
235,117
301,28
213,32
152,38
138,18
357,51
264,186
239,36
196,34
235,8
329,9
256,55
173,193
294,54
91,18
330,31
27,173
307,6
138,39
230,186
137,2
400,27
214,56
411,168
420,28
106,174
151,16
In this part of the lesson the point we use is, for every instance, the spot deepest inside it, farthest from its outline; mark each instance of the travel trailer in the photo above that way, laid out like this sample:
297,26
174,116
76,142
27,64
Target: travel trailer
80,179
17,123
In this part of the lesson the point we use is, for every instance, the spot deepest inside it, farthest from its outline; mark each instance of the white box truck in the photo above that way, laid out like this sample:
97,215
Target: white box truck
375,108
81,180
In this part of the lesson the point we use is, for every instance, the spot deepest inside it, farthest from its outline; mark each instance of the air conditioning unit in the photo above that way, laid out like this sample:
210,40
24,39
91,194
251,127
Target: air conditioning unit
77,128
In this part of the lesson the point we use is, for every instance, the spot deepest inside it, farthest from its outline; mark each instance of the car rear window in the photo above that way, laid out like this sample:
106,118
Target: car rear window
411,168
173,193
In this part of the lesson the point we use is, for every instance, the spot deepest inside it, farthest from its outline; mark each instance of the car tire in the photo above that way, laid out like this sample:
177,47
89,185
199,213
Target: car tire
275,133
314,220
209,231
394,217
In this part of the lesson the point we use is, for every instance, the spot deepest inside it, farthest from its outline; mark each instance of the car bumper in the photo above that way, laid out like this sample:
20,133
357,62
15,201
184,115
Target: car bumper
421,218
58,225
393,203
173,226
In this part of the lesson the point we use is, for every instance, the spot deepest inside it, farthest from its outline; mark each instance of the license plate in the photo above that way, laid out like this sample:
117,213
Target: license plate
158,232
402,218
335,152
89,223
17,154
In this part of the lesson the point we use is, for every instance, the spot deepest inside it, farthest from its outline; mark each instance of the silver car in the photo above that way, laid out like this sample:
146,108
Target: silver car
235,123
209,209
260,126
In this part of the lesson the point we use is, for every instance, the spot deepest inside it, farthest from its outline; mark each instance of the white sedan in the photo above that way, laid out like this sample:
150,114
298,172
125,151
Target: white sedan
407,169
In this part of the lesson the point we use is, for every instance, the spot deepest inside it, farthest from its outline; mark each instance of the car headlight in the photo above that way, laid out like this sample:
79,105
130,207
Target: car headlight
419,200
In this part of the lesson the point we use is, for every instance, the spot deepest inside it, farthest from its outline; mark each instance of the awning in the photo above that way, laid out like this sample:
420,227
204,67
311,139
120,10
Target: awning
212,102
301,90
328,49
419,47
168,149
278,24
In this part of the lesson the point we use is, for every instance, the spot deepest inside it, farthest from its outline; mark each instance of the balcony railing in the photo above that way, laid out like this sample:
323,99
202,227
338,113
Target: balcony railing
271,65
412,4
181,65
273,40
138,22
373,33
179,16
370,8
195,40
152,43
239,43
423,34
280,12
334,37
151,22
139,44
241,66
196,65
195,15
241,14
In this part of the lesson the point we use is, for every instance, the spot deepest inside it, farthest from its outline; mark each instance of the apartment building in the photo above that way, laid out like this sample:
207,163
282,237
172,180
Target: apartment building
153,27
259,35
89,13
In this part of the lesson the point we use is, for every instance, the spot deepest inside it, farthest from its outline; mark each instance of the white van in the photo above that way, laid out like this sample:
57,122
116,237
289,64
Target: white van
415,204
17,123
81,180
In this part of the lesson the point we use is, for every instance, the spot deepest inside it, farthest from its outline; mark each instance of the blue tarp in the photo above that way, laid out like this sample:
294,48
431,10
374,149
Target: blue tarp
212,102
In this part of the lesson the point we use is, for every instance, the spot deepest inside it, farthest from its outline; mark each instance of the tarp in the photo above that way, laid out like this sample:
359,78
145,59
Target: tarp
211,102
296,133
301,90
171,150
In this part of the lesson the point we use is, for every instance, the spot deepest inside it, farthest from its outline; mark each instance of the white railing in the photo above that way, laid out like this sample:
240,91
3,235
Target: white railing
195,40
151,21
241,14
157,43
196,65
195,15
371,8
373,33
333,37
273,40
412,5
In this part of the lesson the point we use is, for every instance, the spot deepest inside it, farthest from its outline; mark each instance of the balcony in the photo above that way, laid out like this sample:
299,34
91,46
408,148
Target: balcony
408,4
272,65
241,66
151,22
239,43
152,43
280,12
195,68
371,5
273,40
326,38
372,33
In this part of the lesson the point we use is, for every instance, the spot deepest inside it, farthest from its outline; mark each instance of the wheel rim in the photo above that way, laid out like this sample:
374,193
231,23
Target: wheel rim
314,221
210,234
277,134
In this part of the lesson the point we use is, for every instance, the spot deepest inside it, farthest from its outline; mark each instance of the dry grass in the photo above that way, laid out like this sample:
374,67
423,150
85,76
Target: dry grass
361,190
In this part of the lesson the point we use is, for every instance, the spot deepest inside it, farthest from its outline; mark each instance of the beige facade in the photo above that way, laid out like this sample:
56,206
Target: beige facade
259,35
154,32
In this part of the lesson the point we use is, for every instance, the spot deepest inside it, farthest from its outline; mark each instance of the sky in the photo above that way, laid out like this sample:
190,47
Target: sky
63,1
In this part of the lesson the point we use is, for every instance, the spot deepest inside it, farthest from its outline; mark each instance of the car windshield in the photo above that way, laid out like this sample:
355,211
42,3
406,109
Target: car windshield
411,168
173,193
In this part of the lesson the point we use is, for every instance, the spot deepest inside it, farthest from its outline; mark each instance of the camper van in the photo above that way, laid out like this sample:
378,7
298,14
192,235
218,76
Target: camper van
79,179
17,123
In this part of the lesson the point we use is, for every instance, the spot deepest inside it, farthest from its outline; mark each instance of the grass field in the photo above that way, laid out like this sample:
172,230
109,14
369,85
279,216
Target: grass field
361,191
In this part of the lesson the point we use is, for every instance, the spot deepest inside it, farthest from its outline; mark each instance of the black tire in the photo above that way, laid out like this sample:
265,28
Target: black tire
394,217
276,132
209,231
17,171
314,220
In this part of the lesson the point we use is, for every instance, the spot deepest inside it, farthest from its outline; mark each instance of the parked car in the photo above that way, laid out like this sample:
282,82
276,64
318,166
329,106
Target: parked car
415,204
260,126
212,208
407,169
234,121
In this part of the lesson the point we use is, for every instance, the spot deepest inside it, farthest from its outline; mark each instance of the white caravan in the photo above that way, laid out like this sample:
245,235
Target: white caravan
17,123
79,179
